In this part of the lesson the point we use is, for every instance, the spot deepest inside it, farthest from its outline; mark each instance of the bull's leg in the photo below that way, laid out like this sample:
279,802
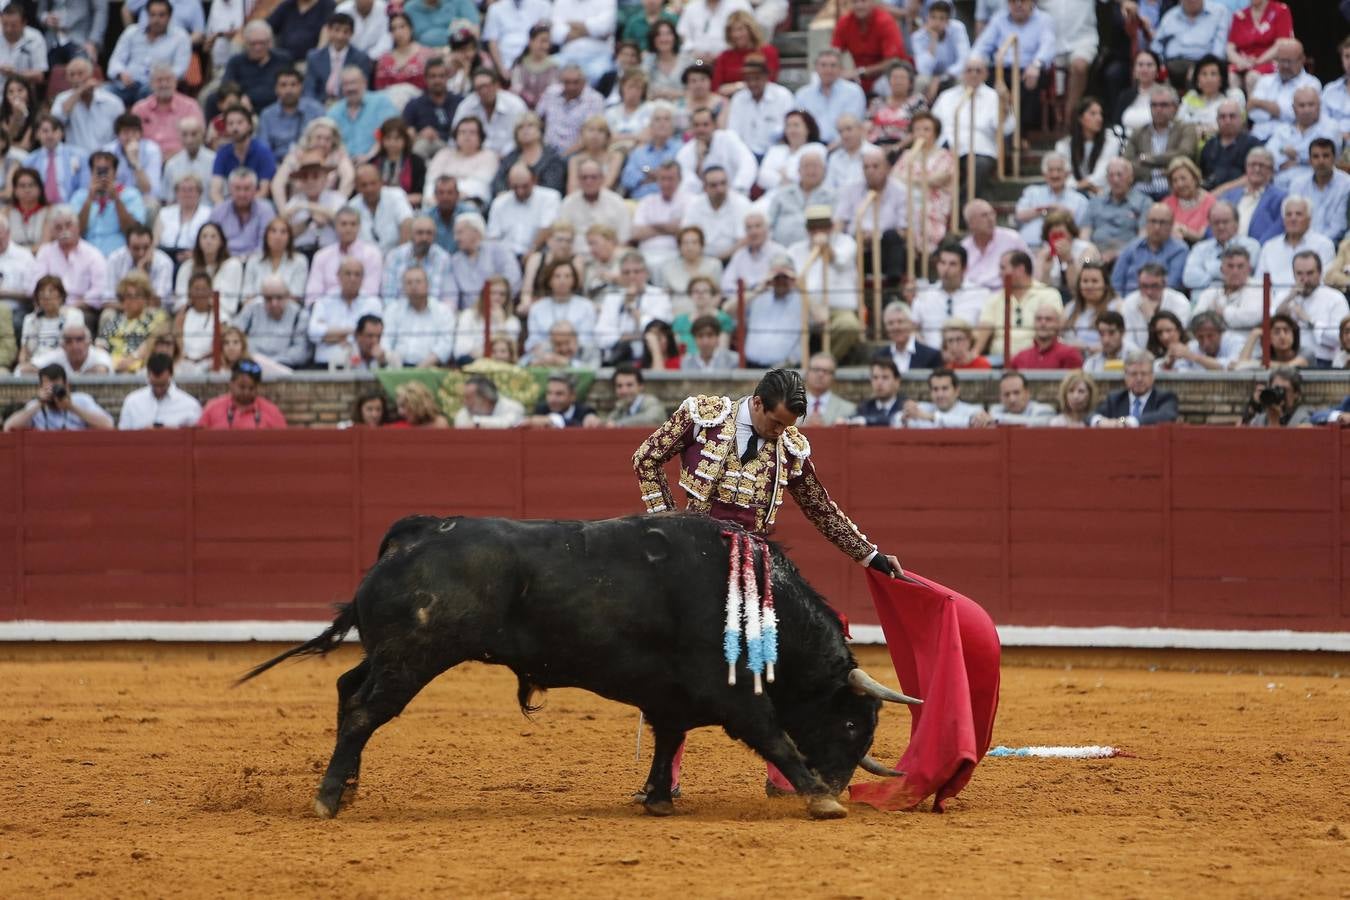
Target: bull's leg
383,695
348,684
668,741
775,746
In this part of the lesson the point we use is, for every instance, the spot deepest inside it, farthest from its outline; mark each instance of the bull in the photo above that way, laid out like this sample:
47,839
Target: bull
630,609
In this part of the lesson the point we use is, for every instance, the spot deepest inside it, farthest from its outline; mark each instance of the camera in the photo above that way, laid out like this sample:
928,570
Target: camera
1271,396
58,392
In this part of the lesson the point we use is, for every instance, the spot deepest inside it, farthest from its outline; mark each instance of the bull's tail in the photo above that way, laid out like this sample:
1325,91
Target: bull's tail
321,645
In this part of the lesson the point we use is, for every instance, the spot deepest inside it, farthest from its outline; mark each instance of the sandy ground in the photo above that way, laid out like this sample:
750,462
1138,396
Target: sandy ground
134,770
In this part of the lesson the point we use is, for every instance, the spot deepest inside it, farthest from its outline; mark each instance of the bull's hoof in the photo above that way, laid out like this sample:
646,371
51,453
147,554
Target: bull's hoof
659,808
323,810
823,806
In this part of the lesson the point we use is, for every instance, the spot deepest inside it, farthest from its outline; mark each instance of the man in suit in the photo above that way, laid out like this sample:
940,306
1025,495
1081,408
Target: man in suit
1258,200
904,348
823,405
560,407
324,65
881,409
1152,149
1137,403
633,406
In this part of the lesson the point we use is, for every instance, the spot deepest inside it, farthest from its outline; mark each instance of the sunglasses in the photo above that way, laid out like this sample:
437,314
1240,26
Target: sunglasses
248,367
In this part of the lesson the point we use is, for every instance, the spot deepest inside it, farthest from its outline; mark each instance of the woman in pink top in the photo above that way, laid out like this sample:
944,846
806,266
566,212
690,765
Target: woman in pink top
406,63
1190,204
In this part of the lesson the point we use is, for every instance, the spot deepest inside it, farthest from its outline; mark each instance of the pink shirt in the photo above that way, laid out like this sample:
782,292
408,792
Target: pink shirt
159,122
1057,356
982,265
222,413
323,271
84,272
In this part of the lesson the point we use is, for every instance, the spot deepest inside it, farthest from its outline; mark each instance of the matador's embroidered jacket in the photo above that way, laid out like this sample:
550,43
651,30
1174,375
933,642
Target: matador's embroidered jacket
702,432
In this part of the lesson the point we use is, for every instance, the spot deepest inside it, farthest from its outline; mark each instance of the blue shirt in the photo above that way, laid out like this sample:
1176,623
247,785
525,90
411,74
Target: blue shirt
152,164
1036,38
136,54
946,58
105,231
774,329
279,129
845,97
1328,203
1336,103
1137,254
431,25
72,170
1204,263
358,135
1178,36
1035,195
643,159
258,158
243,238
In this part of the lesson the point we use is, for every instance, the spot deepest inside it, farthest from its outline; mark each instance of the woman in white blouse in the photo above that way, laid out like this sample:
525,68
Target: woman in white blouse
210,255
1089,147
472,164
628,119
1200,106
469,328
276,257
561,302
1133,104
800,133
177,224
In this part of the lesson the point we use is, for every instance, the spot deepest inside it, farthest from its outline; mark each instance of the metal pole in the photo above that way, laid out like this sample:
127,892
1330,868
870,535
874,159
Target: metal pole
1265,321
1007,320
740,319
217,351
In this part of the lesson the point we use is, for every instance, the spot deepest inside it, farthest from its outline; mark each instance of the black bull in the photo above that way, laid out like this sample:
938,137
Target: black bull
631,609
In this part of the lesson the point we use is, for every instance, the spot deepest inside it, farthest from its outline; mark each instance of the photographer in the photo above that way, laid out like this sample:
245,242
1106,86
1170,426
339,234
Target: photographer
57,408
1277,403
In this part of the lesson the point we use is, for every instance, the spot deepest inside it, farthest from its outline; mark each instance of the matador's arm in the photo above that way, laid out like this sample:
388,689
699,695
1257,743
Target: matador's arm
649,461
827,517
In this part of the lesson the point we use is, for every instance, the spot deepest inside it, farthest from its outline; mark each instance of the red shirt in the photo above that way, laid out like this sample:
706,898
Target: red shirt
1057,356
979,362
872,43
731,63
1252,38
222,413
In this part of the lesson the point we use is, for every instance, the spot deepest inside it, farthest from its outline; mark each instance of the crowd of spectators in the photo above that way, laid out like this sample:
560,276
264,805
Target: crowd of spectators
255,187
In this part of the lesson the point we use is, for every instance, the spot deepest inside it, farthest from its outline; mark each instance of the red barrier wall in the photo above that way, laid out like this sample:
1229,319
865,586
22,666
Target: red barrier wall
1169,527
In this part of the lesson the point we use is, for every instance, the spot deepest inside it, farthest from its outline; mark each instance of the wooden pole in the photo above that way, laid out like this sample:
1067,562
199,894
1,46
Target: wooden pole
825,258
486,302
1007,320
923,218
910,237
740,319
803,288
970,154
956,156
862,272
217,351
876,267
1265,321
1017,104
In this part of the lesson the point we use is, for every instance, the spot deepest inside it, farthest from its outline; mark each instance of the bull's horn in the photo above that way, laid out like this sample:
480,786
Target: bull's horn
871,765
866,685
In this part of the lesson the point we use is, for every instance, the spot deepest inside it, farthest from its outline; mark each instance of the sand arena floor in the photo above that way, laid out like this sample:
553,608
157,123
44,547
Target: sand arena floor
135,770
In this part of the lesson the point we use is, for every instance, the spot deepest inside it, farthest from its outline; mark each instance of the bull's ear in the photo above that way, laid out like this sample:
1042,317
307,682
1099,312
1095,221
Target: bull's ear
863,684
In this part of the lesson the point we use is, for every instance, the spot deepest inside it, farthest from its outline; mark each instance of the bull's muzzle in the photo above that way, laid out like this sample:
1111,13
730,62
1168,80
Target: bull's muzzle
865,685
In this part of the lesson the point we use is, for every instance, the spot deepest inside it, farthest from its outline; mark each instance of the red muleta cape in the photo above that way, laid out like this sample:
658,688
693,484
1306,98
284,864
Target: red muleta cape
946,651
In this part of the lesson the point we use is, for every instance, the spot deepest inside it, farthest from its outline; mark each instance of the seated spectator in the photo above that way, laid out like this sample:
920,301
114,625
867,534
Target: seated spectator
666,64
986,244
660,349
241,408
276,326
1089,148
61,166
126,333
903,347
1253,37
871,36
633,406
1278,253
549,169
889,118
958,346
359,113
709,147
1342,358
1077,398
944,409
756,112
595,204
477,259
77,354
780,164
243,151
421,252
1285,345
194,324
628,119
720,215
430,114
560,407
929,170
751,262
678,275
1271,100
1327,188
1336,95
244,215
595,145
562,350
886,214
161,403
107,208
565,107
163,111
1153,295
311,211
1015,406
1190,204
773,320
656,221
255,69
952,109
277,256
509,31
1062,252
1036,50
1092,297
386,215
1338,273
472,335
42,328
1223,158
27,220
844,165
708,352
194,159
1167,341
941,46
1137,403
484,407
1278,402
78,263
324,65
1116,217
559,245
823,406
56,407
561,302
704,299
323,269
646,160
1190,32
744,39
626,311
1134,106
829,96
1024,296
947,297
417,406
1157,245
1257,200
883,408
1112,345
1152,149
703,26
1205,261
398,166
1291,142
1317,309
498,110
367,352
1200,107
334,317
17,274
1047,351
473,165
833,297
371,410
1236,299
86,109
1212,345
140,47
140,255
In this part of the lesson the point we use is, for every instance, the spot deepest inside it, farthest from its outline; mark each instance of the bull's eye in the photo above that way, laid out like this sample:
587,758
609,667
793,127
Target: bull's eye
849,724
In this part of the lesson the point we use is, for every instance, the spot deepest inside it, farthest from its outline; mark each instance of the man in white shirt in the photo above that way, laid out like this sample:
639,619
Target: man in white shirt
139,253
1205,261
371,20
1153,295
627,310
1277,254
195,157
23,50
161,403
1317,309
750,262
497,108
708,147
87,109
1272,99
703,26
595,204
484,407
332,322
845,163
1039,200
18,273
583,30
823,251
77,354
1236,299
659,217
945,409
950,297
385,212
1291,142
1015,406
953,109
720,213
418,331
520,215
506,28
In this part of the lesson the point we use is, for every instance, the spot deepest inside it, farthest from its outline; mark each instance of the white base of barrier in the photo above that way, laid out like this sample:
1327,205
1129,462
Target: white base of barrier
1009,635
